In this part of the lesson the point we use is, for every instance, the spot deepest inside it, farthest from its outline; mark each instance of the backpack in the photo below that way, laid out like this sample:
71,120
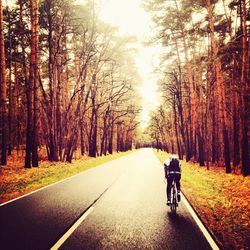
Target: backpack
174,165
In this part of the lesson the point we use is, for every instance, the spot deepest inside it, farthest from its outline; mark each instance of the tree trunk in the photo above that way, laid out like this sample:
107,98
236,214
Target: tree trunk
32,102
3,92
244,100
10,114
53,153
236,146
59,105
104,134
176,129
192,112
201,148
16,112
82,138
188,154
220,90
111,134
93,134
118,137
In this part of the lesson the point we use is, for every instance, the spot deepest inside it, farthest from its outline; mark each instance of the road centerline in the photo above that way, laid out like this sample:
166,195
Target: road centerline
72,229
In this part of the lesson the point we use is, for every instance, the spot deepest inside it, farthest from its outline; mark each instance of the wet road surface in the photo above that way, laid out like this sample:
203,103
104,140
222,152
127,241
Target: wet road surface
127,197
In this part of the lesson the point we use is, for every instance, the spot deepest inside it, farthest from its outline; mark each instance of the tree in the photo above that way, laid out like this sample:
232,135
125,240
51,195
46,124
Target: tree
244,94
31,157
3,97
220,88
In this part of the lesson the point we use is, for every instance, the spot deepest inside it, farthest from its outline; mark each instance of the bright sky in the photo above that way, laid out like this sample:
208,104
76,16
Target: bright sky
132,19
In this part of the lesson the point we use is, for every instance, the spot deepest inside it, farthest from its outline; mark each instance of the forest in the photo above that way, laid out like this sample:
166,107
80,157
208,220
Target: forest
204,114
70,101
67,82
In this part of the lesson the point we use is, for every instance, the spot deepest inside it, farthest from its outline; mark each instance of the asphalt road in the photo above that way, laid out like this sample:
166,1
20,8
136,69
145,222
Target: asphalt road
127,197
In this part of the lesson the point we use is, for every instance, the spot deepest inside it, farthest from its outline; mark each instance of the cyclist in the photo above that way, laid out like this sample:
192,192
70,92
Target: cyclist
172,168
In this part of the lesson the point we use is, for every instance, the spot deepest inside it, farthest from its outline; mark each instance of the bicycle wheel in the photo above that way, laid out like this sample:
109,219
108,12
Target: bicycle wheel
173,204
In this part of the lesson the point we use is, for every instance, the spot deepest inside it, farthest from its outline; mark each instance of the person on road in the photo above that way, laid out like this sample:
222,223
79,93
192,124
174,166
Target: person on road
172,169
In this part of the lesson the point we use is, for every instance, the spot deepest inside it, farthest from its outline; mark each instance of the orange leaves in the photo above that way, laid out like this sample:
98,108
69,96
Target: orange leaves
225,200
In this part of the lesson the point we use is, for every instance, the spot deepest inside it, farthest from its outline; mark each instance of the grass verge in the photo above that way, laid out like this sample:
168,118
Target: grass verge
221,200
15,180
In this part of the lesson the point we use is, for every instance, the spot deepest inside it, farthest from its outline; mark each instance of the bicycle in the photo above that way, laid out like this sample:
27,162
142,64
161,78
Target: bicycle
173,197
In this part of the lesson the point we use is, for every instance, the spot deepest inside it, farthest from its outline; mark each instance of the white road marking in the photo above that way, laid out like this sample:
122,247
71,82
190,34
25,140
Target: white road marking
72,229
203,229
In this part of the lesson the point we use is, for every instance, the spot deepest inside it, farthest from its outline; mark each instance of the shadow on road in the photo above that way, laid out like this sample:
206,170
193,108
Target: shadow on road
186,232
179,222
